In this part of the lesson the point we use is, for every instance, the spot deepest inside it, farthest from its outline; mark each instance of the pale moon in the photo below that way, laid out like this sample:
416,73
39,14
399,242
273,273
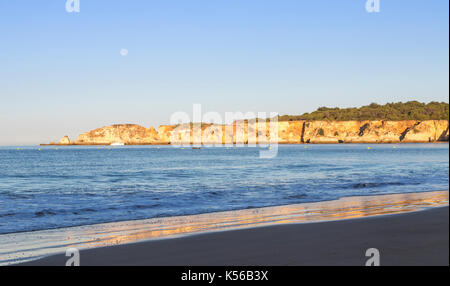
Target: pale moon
124,52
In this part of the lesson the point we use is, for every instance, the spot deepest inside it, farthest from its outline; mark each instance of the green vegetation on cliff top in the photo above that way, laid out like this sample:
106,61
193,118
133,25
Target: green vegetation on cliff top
411,110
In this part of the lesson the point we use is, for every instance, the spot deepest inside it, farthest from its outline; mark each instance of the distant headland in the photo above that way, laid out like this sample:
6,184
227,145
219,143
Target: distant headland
412,122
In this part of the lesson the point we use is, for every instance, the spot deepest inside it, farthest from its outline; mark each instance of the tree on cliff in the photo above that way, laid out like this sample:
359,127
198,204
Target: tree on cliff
411,110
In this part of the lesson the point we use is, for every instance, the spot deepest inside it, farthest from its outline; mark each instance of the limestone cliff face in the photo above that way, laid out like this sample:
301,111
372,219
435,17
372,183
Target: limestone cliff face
375,131
293,132
431,130
130,134
64,141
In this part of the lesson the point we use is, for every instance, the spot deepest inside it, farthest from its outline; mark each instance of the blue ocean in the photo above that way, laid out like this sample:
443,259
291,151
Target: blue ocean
69,186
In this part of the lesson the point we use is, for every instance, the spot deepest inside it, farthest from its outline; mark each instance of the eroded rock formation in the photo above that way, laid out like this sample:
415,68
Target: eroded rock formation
64,141
131,134
287,132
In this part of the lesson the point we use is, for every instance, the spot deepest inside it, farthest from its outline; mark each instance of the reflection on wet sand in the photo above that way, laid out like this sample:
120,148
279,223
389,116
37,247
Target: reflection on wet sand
20,247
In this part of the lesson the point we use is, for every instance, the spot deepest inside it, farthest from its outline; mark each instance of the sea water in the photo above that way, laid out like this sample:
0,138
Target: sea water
54,187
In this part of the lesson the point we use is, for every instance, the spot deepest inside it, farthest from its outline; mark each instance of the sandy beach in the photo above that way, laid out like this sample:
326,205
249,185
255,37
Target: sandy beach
235,136
414,238
22,247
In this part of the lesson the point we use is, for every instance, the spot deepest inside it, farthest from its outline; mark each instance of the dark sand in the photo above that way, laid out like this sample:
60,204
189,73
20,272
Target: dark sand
417,238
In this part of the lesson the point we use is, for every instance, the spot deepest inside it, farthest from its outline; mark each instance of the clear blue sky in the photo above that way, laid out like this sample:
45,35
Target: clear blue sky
63,74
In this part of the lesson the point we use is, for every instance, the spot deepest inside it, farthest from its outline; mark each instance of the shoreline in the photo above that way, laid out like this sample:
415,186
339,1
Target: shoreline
412,238
212,213
38,244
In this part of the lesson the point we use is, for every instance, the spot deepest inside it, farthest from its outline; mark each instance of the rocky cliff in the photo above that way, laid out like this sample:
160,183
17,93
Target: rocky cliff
131,134
64,141
293,132
375,131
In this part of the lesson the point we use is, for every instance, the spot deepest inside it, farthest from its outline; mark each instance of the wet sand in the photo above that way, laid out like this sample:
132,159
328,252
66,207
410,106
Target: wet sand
415,238
26,246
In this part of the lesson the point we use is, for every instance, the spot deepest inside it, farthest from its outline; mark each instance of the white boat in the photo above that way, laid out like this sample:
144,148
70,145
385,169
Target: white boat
117,144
